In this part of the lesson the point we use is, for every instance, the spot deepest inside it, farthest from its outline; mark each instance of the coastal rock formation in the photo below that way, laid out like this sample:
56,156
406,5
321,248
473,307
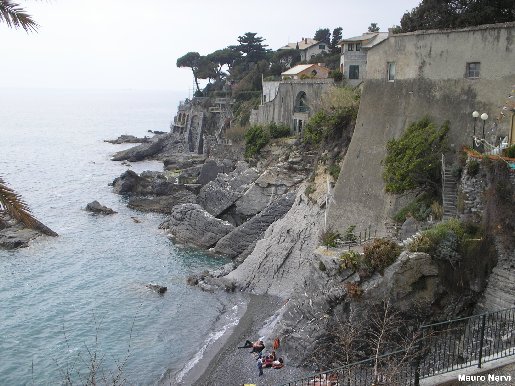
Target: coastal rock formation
192,225
143,151
15,234
280,261
157,288
162,204
96,207
127,139
249,232
221,193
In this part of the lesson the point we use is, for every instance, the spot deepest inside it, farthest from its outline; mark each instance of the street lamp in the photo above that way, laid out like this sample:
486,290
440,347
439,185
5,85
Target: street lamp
484,117
475,115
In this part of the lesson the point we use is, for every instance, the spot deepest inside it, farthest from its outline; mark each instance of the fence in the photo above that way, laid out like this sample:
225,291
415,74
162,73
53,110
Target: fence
443,347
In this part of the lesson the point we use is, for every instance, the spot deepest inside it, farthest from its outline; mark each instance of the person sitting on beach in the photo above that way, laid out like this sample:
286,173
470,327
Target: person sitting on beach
273,356
278,364
268,361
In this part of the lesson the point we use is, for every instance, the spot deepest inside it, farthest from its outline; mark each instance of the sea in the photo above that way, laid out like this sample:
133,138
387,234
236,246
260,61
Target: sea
78,304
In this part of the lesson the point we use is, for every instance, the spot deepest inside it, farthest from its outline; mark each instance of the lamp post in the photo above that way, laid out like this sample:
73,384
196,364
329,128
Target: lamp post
475,115
484,117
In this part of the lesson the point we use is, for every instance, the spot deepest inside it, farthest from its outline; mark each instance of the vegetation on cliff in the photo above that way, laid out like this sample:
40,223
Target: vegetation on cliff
448,14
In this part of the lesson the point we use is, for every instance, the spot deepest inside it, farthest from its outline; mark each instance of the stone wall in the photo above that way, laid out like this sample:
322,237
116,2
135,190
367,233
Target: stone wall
281,108
430,69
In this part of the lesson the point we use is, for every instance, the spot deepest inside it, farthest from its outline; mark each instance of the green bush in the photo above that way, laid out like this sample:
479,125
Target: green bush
445,240
380,253
473,167
419,209
278,130
413,161
349,234
337,75
350,260
509,151
321,266
334,171
255,139
329,237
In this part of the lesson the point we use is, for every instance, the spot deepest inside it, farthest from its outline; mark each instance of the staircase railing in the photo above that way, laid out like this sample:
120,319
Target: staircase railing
443,347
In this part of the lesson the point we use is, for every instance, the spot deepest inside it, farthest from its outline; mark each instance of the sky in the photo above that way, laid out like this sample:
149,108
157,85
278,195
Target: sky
134,44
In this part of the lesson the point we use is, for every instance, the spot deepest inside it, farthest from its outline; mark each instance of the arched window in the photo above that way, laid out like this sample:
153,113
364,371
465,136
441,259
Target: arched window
301,102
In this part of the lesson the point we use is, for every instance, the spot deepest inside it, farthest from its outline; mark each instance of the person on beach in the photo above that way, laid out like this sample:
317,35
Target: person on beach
278,364
258,346
260,367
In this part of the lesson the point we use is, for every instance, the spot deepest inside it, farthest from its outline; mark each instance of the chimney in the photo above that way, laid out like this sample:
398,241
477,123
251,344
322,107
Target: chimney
306,40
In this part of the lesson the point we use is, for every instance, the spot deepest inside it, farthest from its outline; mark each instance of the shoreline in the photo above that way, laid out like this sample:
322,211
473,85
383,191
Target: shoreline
233,366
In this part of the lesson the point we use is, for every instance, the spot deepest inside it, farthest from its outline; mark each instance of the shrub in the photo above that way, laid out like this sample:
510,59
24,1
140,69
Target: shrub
350,260
420,209
349,234
437,210
329,237
321,266
413,161
235,133
473,168
353,289
310,189
444,241
509,151
334,171
337,75
380,253
278,130
255,139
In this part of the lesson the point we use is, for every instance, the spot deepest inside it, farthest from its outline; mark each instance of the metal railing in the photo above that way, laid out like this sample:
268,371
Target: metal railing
443,347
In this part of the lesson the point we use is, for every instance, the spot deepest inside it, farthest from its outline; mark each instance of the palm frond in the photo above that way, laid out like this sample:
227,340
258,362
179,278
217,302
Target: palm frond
12,203
15,16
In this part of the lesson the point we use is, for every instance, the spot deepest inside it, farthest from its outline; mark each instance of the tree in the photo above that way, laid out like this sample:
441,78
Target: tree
223,57
12,204
442,14
337,36
413,161
373,27
251,46
15,16
323,35
191,60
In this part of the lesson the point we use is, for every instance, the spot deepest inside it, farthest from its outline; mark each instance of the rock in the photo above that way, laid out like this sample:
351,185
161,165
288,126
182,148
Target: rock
161,204
127,139
140,152
157,132
281,260
157,288
209,171
192,225
131,183
221,193
17,237
136,220
96,207
249,232
409,228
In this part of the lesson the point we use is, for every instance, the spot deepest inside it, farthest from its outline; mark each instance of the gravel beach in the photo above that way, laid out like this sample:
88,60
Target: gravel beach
232,366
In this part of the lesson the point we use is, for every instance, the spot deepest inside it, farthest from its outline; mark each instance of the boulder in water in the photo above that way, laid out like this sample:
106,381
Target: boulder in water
96,207
157,288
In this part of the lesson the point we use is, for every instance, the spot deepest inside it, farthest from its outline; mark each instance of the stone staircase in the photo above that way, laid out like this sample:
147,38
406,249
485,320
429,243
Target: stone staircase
449,193
500,291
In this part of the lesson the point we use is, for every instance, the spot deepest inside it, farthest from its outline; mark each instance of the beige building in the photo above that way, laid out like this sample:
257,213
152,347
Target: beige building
306,71
353,59
308,48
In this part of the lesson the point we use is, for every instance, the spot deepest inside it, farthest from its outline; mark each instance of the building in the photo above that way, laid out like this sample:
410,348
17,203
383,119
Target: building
305,71
308,48
353,59
290,101
445,74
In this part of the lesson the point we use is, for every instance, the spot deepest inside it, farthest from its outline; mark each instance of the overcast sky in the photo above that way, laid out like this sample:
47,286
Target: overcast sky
134,44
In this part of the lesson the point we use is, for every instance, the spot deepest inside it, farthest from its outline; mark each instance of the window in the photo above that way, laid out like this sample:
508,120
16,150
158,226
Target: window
350,47
358,46
473,69
264,98
321,46
391,71
354,72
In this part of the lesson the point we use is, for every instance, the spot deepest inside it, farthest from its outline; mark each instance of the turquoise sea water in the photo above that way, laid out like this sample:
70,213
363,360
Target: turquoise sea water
65,299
